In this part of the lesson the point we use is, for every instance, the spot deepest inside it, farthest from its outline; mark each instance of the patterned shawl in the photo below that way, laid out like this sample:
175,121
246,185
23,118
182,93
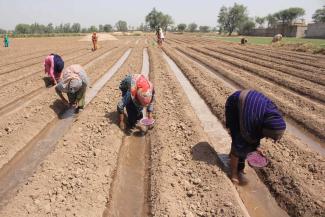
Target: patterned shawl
259,117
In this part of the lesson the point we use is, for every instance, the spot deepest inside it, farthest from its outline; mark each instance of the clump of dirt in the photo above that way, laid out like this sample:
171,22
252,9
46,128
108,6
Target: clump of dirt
300,47
320,51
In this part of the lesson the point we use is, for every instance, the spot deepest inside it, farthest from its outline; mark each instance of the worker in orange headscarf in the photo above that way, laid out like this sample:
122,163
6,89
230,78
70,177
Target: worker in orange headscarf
94,38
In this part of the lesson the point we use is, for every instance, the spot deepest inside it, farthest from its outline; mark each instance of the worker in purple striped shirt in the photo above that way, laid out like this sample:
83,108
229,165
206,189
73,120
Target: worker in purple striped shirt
250,116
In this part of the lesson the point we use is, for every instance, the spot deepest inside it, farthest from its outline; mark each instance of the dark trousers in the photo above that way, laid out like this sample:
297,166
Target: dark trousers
134,114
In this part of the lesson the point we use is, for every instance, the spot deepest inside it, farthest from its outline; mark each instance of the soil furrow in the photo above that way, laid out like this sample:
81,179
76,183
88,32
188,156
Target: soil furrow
314,91
308,60
275,64
24,72
36,82
305,113
18,66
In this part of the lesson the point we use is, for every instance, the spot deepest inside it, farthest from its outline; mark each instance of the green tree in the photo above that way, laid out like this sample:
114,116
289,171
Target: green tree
260,21
181,27
22,28
108,28
66,28
319,15
121,26
49,28
92,29
271,21
157,18
76,27
101,28
231,18
59,29
192,27
246,27
204,28
166,21
287,16
154,18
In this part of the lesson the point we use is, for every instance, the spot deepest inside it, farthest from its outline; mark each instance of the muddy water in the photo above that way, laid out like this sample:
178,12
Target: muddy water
129,191
25,162
145,62
311,141
257,200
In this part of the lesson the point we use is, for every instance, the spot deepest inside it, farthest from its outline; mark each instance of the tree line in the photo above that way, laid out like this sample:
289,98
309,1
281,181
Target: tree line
236,18
37,28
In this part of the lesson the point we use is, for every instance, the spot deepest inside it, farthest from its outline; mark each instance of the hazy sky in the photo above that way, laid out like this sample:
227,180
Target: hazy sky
88,12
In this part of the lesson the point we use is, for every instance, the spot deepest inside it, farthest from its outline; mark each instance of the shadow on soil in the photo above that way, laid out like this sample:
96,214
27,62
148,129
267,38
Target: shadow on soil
48,82
112,117
202,151
59,108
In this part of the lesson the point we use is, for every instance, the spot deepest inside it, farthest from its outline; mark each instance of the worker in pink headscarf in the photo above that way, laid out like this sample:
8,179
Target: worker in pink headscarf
53,66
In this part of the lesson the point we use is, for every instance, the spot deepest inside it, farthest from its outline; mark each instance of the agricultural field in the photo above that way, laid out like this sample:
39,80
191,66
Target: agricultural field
54,163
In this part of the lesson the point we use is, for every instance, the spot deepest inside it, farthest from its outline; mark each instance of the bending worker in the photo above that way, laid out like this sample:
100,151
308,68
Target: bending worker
53,66
74,83
137,93
250,116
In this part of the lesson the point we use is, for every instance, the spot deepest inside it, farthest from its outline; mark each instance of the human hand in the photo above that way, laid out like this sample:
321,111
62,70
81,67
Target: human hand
259,150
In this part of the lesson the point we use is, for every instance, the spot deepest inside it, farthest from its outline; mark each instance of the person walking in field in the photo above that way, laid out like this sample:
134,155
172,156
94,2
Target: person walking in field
74,83
250,116
160,36
6,40
94,39
137,93
53,66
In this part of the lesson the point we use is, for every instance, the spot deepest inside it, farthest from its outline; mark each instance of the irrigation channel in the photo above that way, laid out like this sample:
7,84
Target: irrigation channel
25,162
128,196
254,198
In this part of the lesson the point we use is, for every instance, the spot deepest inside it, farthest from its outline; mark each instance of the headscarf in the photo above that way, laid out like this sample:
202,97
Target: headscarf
259,117
141,90
71,80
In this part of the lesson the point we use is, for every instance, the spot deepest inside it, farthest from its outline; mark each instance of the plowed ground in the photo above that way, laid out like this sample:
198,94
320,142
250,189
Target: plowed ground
185,176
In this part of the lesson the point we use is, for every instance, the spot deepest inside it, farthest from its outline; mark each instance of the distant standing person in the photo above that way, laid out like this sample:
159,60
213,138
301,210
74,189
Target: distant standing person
74,83
137,93
53,66
160,36
6,40
250,116
94,39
